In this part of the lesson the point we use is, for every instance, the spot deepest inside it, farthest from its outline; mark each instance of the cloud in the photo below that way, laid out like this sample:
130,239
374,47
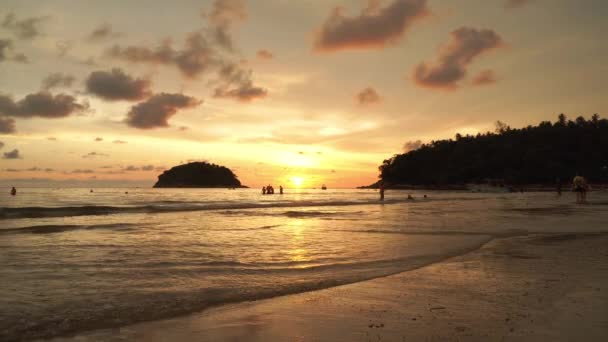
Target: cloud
485,77
117,85
264,54
139,168
42,104
158,109
51,138
57,79
94,154
412,145
14,154
223,16
25,28
7,125
147,168
85,171
63,47
374,27
454,58
183,128
21,58
195,58
98,139
102,32
516,3
131,168
368,96
119,142
236,83
6,52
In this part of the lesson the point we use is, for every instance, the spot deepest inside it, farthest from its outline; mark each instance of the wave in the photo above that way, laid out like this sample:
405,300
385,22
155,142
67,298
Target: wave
93,210
165,304
49,229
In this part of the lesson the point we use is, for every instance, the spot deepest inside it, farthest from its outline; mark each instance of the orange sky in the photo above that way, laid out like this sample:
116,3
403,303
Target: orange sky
319,91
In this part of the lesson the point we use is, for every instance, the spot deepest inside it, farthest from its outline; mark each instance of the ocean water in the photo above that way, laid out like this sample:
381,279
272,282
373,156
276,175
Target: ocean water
73,260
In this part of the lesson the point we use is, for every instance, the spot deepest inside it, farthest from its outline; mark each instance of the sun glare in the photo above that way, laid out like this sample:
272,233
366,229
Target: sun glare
297,181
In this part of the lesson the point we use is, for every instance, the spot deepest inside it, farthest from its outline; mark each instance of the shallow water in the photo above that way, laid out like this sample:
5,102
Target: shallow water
72,260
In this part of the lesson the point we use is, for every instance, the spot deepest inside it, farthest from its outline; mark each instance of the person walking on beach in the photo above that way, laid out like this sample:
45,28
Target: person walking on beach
579,185
382,191
280,189
263,190
13,191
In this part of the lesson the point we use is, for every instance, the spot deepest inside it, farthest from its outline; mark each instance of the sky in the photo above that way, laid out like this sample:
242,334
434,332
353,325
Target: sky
280,91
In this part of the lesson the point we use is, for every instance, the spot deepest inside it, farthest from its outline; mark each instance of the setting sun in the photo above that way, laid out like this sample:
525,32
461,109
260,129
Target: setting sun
297,181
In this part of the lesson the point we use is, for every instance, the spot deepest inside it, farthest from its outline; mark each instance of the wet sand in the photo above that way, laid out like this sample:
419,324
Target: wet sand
535,287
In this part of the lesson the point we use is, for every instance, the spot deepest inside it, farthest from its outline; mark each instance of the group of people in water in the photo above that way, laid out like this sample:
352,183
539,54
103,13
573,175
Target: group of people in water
269,190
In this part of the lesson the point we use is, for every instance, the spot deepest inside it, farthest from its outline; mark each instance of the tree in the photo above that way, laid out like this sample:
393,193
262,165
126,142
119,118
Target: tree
533,154
501,127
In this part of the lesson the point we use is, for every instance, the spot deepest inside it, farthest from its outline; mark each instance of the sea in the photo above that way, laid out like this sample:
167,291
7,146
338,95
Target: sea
79,259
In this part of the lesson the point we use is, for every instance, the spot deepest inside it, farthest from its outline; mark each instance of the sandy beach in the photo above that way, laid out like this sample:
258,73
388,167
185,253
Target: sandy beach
551,287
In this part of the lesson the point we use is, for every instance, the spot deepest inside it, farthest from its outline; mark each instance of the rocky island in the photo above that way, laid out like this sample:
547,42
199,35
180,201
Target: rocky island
198,175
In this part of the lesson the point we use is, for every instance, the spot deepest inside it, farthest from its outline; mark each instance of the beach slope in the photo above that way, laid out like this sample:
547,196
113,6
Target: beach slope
535,287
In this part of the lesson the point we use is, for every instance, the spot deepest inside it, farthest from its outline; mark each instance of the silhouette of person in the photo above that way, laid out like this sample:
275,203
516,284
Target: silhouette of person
382,191
579,185
409,197
263,190
558,187
13,191
280,189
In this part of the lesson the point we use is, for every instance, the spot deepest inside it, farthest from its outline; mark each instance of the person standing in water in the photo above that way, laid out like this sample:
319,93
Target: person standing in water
382,191
13,191
263,190
280,189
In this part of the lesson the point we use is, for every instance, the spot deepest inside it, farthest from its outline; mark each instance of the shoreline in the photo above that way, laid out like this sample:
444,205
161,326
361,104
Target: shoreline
506,289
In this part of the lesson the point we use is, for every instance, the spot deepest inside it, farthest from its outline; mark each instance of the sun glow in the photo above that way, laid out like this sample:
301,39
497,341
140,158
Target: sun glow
297,181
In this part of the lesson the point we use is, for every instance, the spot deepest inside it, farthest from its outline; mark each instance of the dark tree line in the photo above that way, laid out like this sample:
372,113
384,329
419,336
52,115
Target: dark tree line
540,154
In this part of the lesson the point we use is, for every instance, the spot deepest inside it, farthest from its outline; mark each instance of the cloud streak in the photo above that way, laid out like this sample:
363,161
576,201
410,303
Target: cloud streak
454,58
14,154
116,85
7,54
196,56
237,84
27,28
374,27
368,96
486,77
102,32
158,109
41,104
57,80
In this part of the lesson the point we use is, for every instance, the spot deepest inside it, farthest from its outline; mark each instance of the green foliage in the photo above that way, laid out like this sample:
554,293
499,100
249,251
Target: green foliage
540,154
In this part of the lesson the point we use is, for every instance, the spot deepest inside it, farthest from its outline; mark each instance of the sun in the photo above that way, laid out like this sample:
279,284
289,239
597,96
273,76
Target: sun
297,181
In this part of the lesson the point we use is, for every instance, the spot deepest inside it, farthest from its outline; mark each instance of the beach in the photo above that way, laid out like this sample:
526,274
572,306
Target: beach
525,288
215,264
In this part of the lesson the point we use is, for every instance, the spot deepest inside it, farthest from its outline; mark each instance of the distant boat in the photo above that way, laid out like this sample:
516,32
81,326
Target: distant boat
323,187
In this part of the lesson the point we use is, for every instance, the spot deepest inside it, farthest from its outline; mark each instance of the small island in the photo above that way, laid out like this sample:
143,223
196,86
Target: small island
198,175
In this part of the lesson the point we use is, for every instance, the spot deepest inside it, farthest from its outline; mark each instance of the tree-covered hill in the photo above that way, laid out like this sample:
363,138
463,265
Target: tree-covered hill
198,175
540,154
